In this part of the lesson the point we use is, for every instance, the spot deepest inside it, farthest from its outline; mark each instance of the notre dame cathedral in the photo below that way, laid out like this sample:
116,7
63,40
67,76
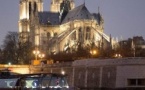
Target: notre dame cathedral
62,28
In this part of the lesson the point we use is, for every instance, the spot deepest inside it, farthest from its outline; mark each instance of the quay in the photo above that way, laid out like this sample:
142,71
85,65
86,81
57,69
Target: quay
94,73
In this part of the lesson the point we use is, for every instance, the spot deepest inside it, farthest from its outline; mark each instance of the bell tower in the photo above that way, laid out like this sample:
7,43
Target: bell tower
56,5
26,9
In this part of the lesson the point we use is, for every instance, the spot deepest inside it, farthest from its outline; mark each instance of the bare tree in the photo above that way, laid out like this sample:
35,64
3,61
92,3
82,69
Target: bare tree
9,48
15,52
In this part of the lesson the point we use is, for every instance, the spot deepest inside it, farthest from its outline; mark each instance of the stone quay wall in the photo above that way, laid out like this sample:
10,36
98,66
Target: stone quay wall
98,73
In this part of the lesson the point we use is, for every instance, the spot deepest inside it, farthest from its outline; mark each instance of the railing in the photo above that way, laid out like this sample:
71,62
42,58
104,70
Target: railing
95,88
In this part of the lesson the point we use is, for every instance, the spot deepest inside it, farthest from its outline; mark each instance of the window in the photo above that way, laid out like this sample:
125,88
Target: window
136,82
48,36
30,8
141,82
131,82
80,34
8,83
88,32
59,82
55,34
73,36
30,83
35,6
45,81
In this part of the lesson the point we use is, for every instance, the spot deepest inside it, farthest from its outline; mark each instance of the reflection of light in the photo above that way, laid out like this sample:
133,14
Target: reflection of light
94,51
20,70
65,48
66,86
9,63
55,86
62,72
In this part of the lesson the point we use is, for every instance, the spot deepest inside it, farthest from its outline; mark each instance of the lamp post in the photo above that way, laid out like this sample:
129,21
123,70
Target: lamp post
41,55
93,52
118,55
36,53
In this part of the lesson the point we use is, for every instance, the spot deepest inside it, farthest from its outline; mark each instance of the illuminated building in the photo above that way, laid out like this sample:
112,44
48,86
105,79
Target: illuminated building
63,28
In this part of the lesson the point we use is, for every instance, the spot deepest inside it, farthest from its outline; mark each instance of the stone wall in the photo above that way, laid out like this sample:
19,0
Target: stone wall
82,75
95,73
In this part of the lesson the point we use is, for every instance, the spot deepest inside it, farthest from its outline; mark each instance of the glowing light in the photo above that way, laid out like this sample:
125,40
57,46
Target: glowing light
36,52
20,70
118,55
9,63
41,55
93,52
63,72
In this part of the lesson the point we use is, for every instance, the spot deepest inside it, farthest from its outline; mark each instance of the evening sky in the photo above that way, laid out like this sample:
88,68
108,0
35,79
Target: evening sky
123,18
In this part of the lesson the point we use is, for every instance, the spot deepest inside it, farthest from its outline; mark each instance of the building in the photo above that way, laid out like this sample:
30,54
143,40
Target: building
139,42
63,28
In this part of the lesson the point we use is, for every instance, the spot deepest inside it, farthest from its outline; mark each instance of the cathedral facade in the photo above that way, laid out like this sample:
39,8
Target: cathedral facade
63,28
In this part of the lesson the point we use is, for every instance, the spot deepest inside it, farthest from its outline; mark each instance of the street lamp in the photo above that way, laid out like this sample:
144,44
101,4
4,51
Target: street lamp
41,55
93,52
63,72
118,55
36,53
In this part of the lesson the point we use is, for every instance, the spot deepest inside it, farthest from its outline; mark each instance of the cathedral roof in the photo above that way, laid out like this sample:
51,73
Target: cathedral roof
46,18
97,17
78,13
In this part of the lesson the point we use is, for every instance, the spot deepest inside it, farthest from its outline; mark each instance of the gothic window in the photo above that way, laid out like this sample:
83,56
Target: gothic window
30,8
35,6
44,42
73,36
80,34
88,33
55,34
48,36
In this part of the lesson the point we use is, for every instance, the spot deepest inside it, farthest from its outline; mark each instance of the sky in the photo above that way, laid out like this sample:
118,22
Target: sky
123,19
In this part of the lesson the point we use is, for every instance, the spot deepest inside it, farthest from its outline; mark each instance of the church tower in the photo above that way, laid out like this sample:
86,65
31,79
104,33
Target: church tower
56,5
26,9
